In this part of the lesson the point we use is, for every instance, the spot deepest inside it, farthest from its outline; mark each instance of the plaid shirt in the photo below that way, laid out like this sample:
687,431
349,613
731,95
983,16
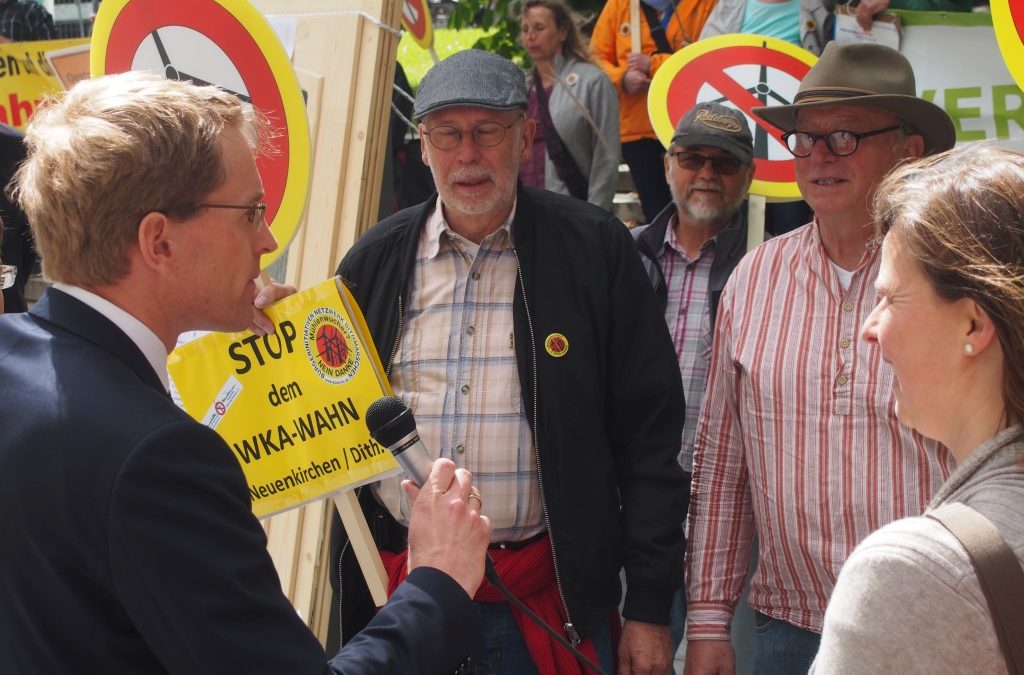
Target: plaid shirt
22,21
688,315
797,435
456,370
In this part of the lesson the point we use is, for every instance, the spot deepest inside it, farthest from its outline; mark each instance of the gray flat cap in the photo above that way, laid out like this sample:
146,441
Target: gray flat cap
474,78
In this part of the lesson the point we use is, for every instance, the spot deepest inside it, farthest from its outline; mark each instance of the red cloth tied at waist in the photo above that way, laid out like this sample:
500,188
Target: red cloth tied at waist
529,573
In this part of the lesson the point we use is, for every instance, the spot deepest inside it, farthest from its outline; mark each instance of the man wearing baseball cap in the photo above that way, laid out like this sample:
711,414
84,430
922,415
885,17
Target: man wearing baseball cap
691,248
797,436
520,328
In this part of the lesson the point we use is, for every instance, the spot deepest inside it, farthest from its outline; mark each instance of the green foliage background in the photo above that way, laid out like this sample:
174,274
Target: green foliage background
491,25
503,17
417,61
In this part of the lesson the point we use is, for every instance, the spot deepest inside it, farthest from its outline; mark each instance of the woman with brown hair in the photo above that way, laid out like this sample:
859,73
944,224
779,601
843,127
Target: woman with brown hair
949,319
576,146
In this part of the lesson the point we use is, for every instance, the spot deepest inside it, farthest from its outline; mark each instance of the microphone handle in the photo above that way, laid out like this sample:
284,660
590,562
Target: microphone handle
412,456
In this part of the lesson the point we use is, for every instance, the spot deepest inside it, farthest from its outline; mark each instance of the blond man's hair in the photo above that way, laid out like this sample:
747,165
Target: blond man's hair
111,150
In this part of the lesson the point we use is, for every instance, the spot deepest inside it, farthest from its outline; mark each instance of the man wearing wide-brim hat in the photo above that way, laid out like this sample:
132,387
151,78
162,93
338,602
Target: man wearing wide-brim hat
797,434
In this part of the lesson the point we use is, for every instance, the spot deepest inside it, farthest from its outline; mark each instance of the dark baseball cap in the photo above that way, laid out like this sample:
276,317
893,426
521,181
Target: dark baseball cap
718,126
471,78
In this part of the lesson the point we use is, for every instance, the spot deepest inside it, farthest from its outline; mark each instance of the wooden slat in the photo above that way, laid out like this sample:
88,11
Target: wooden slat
346,64
634,26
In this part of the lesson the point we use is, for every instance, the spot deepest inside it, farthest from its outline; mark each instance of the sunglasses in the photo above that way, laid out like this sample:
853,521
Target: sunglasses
725,165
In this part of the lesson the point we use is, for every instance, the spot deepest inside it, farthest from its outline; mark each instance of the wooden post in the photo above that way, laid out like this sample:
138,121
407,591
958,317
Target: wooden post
634,26
755,221
345,61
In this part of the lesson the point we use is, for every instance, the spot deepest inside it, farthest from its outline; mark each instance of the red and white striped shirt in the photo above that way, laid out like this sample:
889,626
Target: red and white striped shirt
798,437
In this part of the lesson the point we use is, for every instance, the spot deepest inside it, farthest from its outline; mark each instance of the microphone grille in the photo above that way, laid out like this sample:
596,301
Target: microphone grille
382,412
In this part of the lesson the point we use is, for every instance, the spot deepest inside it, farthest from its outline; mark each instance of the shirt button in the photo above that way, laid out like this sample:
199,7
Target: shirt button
847,306
843,379
465,389
471,330
844,344
475,276
460,448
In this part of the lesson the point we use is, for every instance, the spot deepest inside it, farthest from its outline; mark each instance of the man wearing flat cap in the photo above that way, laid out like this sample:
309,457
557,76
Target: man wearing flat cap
797,436
521,329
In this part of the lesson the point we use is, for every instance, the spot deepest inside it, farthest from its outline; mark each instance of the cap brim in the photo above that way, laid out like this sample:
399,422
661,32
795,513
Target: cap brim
737,150
925,117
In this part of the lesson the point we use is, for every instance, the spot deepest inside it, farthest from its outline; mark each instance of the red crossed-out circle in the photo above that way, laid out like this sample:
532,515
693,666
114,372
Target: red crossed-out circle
418,29
1017,14
138,19
710,69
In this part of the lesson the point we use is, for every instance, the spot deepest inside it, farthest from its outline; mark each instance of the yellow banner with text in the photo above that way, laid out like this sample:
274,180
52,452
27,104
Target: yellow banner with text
290,405
27,75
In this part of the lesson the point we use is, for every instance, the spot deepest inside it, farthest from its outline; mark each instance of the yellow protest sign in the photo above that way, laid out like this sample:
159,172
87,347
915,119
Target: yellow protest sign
231,44
1008,21
743,72
417,20
26,77
290,405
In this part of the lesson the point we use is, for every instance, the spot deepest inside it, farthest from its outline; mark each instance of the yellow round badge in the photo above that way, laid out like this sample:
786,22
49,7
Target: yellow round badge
557,345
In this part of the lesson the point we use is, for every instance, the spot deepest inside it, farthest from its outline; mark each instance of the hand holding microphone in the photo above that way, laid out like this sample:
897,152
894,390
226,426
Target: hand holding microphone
446,530
443,532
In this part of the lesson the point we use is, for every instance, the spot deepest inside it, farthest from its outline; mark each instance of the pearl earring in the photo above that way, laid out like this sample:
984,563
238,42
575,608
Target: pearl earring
968,349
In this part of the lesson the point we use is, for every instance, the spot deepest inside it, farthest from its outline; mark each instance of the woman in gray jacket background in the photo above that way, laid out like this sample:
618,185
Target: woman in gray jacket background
576,147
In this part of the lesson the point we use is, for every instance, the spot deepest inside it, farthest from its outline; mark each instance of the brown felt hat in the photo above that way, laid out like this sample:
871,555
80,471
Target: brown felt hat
871,76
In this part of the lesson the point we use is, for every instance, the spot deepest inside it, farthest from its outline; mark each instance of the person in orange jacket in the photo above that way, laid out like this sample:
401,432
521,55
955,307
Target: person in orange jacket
675,25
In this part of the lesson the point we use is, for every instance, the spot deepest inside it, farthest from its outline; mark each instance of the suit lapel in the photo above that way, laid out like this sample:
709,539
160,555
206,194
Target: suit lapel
72,315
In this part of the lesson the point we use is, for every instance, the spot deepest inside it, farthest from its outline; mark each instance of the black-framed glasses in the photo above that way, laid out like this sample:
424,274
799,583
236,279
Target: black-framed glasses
726,165
256,214
840,143
485,134
8,274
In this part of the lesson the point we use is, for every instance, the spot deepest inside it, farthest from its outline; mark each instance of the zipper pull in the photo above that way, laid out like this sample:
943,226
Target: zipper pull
571,634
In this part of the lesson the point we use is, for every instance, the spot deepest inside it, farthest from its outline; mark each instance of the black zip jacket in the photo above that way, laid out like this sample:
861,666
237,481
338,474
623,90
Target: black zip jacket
606,417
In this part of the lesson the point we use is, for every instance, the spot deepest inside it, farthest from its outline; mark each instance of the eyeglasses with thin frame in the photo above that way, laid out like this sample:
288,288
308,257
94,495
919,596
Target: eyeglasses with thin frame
256,214
841,143
8,274
725,165
485,134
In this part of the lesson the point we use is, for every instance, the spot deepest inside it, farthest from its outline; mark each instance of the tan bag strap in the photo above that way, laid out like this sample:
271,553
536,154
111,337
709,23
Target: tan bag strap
999,572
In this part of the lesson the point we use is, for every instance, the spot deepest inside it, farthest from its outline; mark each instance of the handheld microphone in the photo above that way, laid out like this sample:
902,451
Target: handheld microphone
392,425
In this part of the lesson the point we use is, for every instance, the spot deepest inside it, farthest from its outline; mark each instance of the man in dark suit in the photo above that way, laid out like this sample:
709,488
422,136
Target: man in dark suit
129,544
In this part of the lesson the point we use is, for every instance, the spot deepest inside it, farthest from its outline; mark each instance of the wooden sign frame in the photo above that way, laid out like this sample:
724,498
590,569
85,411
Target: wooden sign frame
345,60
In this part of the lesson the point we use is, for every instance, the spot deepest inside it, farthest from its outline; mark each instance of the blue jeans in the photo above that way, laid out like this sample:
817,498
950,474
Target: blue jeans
506,651
781,648
677,619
